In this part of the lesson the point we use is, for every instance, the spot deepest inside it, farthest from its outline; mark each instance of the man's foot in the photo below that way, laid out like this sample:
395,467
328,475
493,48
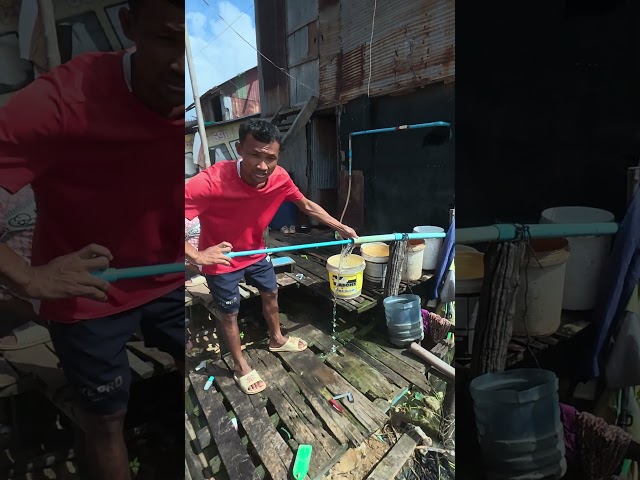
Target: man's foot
287,344
255,386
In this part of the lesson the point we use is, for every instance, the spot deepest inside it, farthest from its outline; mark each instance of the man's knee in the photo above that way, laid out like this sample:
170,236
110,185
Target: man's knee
271,296
228,318
105,425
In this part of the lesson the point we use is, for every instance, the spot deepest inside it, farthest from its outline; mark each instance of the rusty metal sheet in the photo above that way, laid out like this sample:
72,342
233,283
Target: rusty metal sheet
413,45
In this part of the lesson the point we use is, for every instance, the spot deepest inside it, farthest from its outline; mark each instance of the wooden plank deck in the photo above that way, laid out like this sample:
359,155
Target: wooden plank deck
295,409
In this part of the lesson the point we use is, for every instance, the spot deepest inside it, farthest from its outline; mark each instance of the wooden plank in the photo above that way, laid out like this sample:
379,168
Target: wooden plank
379,366
301,120
40,362
188,298
392,463
162,359
274,453
141,368
308,365
251,289
243,292
234,456
285,280
402,354
339,425
356,371
412,375
194,467
292,409
201,292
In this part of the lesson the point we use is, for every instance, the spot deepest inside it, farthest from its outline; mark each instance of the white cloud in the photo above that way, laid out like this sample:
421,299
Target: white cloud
227,55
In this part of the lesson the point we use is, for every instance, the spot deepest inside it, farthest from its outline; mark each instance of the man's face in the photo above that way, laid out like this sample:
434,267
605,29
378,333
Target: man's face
157,28
259,160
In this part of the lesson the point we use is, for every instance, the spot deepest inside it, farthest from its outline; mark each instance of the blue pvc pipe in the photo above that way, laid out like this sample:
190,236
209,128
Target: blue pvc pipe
506,232
115,274
391,237
392,129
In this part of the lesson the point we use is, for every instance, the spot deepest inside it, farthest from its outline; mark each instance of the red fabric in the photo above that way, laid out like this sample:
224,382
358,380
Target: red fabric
104,169
231,211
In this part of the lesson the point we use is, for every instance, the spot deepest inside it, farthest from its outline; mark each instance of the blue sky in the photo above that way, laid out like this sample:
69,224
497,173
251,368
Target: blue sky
218,52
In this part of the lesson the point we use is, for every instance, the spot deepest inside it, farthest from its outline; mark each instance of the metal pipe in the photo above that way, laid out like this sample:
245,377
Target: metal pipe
506,232
391,129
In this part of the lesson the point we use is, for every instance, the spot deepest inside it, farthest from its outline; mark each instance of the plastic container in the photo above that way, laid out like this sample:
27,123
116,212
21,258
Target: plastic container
376,256
588,255
432,246
412,266
349,285
513,445
404,319
469,278
539,311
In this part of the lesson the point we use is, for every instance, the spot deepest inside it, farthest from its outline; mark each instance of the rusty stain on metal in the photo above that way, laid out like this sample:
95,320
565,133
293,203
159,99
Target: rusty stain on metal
413,45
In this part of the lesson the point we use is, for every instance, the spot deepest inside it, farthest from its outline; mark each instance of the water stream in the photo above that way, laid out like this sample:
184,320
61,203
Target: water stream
346,251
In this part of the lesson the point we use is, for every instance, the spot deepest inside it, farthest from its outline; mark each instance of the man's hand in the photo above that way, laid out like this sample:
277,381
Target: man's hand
215,255
347,232
70,276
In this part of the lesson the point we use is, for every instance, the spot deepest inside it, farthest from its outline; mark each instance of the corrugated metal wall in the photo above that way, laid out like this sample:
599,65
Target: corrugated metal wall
302,50
413,45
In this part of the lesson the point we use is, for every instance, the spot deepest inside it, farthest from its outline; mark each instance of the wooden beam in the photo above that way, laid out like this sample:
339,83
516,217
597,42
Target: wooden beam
391,465
301,120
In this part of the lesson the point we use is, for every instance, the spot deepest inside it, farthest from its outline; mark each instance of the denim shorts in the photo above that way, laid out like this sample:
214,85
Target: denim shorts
93,353
224,287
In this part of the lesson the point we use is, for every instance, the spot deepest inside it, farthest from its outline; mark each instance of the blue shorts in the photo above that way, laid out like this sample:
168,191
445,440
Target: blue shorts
224,287
93,353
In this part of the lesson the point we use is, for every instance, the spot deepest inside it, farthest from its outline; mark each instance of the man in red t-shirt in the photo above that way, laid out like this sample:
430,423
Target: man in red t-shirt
99,140
235,202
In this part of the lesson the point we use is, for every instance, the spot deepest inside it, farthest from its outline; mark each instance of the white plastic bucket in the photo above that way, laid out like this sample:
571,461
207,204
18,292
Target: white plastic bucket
588,255
432,246
469,278
539,300
376,256
349,283
412,267
513,445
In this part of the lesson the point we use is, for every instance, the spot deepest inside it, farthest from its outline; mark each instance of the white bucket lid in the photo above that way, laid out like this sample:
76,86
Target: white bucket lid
576,215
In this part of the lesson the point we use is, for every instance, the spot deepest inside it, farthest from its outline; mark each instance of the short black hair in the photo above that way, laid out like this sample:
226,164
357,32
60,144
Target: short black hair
262,130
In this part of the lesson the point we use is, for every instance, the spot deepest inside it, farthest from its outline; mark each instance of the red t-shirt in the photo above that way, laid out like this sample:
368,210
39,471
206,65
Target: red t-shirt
231,211
104,169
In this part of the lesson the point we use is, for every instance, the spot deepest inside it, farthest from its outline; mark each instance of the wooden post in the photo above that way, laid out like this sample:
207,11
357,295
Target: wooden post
47,15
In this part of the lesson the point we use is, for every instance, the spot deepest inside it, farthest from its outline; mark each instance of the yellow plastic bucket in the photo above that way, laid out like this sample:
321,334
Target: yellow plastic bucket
350,283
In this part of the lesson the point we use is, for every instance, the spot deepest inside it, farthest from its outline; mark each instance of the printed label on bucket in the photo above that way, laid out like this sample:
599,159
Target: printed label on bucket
348,286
